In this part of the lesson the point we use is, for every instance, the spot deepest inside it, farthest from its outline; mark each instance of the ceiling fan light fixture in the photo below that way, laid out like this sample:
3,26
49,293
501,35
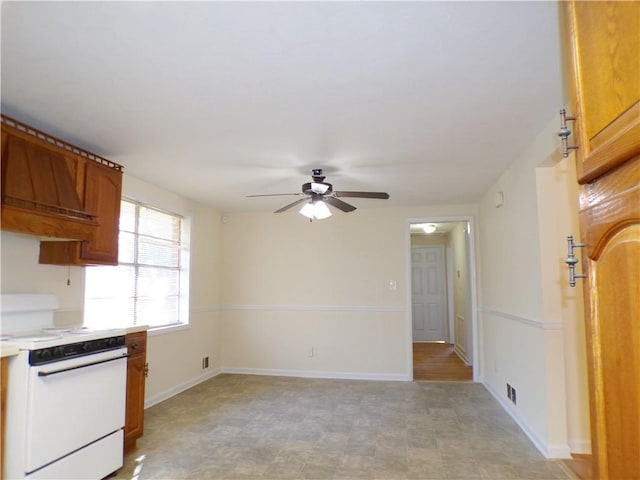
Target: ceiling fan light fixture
317,210
307,210
320,210
320,188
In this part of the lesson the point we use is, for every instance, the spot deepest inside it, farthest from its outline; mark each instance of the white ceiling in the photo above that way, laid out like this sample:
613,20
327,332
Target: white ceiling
428,101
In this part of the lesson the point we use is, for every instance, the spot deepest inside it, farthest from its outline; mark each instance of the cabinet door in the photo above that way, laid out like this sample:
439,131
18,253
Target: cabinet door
103,189
136,378
605,57
134,421
610,221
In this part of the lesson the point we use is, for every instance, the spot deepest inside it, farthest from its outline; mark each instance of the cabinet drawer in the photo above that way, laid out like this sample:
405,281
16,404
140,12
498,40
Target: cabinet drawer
136,343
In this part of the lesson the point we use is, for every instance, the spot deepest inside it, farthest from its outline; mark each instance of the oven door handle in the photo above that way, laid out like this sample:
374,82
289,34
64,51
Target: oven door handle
55,372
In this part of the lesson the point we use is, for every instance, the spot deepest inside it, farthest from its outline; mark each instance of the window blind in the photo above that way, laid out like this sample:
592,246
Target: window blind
145,287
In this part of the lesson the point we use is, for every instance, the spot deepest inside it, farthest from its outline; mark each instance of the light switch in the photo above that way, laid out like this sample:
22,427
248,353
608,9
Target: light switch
393,285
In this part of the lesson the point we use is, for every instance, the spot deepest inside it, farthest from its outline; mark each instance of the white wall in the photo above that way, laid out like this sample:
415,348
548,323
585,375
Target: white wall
21,273
524,309
461,294
174,358
291,285
557,213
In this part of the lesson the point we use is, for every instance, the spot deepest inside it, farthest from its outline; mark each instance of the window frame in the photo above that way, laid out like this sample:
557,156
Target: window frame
183,269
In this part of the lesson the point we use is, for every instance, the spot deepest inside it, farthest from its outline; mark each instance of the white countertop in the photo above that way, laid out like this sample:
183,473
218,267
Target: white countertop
8,350
136,329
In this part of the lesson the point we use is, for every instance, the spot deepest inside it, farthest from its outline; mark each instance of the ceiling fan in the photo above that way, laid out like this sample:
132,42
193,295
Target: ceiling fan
318,193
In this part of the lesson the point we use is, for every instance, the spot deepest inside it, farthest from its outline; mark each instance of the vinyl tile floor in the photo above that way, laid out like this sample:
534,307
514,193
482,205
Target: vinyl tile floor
257,427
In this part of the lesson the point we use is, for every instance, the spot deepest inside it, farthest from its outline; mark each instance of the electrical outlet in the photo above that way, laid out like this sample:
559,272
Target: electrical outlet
311,353
205,363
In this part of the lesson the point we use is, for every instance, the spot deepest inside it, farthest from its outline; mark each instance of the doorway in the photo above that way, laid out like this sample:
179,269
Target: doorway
441,299
428,294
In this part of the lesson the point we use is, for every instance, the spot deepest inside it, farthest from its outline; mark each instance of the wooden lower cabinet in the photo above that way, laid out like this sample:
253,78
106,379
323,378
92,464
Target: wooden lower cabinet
136,376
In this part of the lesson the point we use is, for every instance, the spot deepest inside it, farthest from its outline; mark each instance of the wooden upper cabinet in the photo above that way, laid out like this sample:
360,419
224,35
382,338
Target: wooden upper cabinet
605,58
55,189
102,189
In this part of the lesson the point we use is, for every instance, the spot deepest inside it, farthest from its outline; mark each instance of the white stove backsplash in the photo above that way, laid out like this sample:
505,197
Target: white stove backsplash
21,312
67,318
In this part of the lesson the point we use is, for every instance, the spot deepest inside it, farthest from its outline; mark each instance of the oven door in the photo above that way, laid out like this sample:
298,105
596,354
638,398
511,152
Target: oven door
73,403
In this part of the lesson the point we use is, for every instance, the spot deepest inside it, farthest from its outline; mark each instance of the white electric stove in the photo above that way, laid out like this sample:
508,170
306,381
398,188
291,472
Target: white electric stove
66,394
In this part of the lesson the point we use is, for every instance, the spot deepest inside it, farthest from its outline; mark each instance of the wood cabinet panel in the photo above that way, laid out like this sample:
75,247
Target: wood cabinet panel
607,92
38,190
136,379
103,191
604,40
102,194
605,64
613,325
616,324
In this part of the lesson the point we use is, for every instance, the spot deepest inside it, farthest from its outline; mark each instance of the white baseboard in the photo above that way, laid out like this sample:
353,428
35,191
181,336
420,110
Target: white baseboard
317,374
161,397
580,446
461,355
549,451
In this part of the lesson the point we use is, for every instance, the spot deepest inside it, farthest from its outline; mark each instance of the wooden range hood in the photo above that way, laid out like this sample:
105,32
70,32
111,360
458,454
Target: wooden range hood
43,186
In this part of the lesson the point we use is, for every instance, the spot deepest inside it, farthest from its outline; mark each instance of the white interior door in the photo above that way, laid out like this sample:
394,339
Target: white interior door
428,294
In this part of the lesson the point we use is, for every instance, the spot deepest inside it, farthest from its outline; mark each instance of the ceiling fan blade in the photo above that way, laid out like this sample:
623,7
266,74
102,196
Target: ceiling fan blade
291,205
274,195
380,195
339,204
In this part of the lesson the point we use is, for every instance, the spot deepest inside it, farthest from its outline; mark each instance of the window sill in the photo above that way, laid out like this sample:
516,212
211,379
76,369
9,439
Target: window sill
153,331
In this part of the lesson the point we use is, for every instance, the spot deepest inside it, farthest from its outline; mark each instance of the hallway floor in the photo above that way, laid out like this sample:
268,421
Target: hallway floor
437,361
255,427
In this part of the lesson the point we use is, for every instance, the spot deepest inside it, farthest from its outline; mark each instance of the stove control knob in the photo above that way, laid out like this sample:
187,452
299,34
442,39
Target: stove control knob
58,352
112,342
45,354
86,347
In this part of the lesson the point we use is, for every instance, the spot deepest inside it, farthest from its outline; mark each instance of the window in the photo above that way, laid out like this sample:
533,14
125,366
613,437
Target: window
150,285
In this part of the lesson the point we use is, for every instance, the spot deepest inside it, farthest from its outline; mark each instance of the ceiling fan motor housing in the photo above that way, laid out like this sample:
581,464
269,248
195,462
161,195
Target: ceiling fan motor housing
307,188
